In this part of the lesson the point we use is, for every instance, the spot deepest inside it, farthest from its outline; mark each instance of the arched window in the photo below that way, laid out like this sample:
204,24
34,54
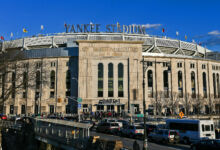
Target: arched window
52,79
218,85
38,80
165,83
25,80
150,83
214,85
204,85
3,84
110,80
180,83
193,84
100,79
120,80
13,84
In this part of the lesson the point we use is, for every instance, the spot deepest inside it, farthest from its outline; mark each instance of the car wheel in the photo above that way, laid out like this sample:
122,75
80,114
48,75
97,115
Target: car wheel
164,141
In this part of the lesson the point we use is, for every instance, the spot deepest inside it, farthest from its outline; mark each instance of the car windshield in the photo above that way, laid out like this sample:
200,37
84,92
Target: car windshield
114,124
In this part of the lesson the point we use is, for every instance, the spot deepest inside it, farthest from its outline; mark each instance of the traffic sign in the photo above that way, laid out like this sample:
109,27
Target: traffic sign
79,105
79,99
181,114
140,115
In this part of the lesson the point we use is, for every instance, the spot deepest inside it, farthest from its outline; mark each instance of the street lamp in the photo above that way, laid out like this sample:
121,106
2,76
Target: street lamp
144,105
78,109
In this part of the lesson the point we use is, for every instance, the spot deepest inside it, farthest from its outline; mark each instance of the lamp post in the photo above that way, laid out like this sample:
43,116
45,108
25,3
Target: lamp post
74,99
145,146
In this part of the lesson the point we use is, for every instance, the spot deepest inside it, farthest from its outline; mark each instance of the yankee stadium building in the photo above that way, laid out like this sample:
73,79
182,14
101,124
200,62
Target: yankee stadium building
104,71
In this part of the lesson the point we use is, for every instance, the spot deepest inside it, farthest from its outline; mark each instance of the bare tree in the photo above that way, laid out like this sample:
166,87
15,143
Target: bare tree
172,101
18,75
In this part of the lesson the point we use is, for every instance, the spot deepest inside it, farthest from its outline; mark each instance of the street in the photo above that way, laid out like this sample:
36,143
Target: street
128,142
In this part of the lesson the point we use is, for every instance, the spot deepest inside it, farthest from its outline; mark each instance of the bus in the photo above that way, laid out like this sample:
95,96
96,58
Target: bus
192,130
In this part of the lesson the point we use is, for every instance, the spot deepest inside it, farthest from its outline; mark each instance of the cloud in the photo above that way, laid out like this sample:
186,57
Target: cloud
215,32
149,26
213,41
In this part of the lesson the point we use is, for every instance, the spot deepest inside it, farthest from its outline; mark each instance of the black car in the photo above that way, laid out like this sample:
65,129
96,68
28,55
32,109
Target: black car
206,145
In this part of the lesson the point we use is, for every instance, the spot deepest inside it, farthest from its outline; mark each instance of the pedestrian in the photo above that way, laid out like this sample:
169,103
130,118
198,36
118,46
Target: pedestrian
136,146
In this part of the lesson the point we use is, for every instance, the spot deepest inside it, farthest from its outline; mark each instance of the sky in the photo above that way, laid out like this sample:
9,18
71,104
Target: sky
199,20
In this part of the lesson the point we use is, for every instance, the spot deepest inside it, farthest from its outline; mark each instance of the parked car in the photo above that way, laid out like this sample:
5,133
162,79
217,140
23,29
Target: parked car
108,127
132,131
165,136
124,123
206,145
3,117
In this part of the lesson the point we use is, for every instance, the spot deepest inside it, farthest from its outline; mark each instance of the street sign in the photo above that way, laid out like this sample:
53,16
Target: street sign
181,114
79,105
79,99
140,115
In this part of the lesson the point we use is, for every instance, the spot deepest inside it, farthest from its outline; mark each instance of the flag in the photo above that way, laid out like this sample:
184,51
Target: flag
193,40
185,37
177,33
65,25
200,43
41,27
2,38
24,30
11,35
163,30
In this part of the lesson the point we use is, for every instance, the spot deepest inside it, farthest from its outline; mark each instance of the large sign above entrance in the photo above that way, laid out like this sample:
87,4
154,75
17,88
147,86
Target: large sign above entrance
109,101
109,28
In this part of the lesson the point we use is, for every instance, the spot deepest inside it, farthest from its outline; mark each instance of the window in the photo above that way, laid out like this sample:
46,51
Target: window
24,95
192,65
179,65
184,126
165,83
11,109
52,79
204,85
53,64
67,93
22,109
165,64
13,85
193,84
214,85
38,64
100,79
120,80
67,63
213,67
38,80
25,80
150,83
134,94
25,65
51,94
110,80
180,84
68,79
149,63
37,95
203,66
51,109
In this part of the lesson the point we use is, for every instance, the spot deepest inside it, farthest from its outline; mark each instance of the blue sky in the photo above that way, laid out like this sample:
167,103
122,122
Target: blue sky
198,19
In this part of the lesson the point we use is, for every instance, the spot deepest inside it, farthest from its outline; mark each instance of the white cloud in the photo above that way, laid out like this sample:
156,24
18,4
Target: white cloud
148,26
215,32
